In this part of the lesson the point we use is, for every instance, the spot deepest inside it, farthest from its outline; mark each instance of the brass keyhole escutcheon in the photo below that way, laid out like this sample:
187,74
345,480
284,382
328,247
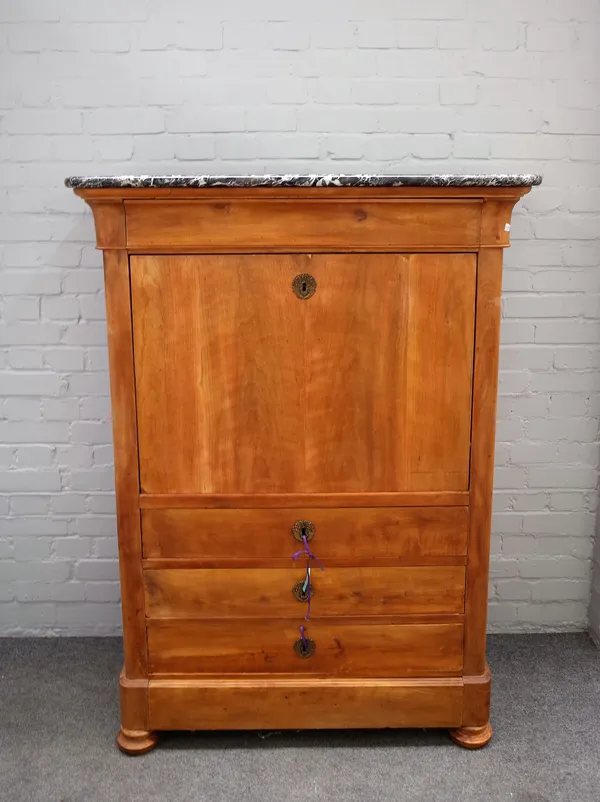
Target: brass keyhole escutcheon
303,529
300,594
305,648
304,286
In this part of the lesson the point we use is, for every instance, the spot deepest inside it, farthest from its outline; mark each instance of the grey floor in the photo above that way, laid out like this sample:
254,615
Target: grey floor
59,715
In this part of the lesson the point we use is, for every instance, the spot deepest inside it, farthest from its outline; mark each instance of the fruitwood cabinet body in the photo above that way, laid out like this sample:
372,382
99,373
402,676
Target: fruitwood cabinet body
367,409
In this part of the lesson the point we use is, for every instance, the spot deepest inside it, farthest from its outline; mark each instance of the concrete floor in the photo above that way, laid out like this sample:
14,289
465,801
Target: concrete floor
59,716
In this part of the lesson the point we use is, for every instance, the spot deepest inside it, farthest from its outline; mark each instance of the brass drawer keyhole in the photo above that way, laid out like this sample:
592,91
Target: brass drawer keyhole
303,592
303,529
305,647
304,286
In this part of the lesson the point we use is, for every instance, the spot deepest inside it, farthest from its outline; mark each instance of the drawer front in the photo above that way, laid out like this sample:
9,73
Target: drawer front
245,225
341,648
268,593
281,703
340,535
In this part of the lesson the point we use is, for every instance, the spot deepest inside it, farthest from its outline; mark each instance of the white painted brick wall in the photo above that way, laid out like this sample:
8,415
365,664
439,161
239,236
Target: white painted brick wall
183,86
594,621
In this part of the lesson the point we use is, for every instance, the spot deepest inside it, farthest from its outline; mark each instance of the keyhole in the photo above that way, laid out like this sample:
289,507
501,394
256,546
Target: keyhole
304,286
304,648
302,530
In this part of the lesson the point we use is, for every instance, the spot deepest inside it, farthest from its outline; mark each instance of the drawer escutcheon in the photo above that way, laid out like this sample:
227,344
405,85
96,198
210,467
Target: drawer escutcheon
305,647
301,594
304,286
303,529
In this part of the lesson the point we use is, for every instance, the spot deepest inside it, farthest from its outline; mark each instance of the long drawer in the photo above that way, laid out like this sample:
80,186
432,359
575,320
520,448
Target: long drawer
292,703
361,535
269,592
280,224
341,648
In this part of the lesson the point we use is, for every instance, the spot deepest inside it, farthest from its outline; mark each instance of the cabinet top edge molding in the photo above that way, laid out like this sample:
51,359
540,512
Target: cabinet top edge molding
302,181
324,217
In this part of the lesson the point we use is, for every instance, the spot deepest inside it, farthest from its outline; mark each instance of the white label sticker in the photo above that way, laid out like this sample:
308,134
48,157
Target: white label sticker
507,227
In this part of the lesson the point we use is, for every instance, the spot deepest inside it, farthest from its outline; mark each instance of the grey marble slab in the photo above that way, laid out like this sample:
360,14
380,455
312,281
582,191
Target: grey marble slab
298,180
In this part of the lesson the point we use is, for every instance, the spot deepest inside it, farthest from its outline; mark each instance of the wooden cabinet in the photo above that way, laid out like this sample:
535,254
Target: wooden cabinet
303,384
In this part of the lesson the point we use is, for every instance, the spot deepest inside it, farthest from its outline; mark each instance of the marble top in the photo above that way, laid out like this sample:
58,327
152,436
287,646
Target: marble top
298,180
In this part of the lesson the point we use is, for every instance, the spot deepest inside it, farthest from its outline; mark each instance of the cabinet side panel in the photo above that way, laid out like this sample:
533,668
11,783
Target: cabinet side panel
485,389
122,389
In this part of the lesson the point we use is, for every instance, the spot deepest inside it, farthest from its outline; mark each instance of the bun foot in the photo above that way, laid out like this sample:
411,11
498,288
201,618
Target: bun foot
472,737
136,742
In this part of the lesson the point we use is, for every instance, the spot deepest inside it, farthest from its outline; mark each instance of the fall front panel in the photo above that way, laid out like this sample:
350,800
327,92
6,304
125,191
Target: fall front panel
244,387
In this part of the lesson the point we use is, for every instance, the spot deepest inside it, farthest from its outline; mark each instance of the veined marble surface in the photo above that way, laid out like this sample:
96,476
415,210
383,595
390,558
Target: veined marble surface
299,180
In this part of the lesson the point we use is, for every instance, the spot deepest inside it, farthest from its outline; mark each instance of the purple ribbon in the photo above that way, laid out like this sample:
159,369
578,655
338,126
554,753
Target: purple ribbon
306,550
308,595
309,556
304,641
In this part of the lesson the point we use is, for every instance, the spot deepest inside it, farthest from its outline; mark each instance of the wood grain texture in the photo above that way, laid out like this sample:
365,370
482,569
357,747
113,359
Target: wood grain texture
251,408
290,224
495,223
134,737
228,417
439,371
389,366
136,742
311,703
485,390
160,501
257,194
472,737
476,699
122,391
301,193
134,703
340,393
360,534
267,593
109,221
283,562
342,648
